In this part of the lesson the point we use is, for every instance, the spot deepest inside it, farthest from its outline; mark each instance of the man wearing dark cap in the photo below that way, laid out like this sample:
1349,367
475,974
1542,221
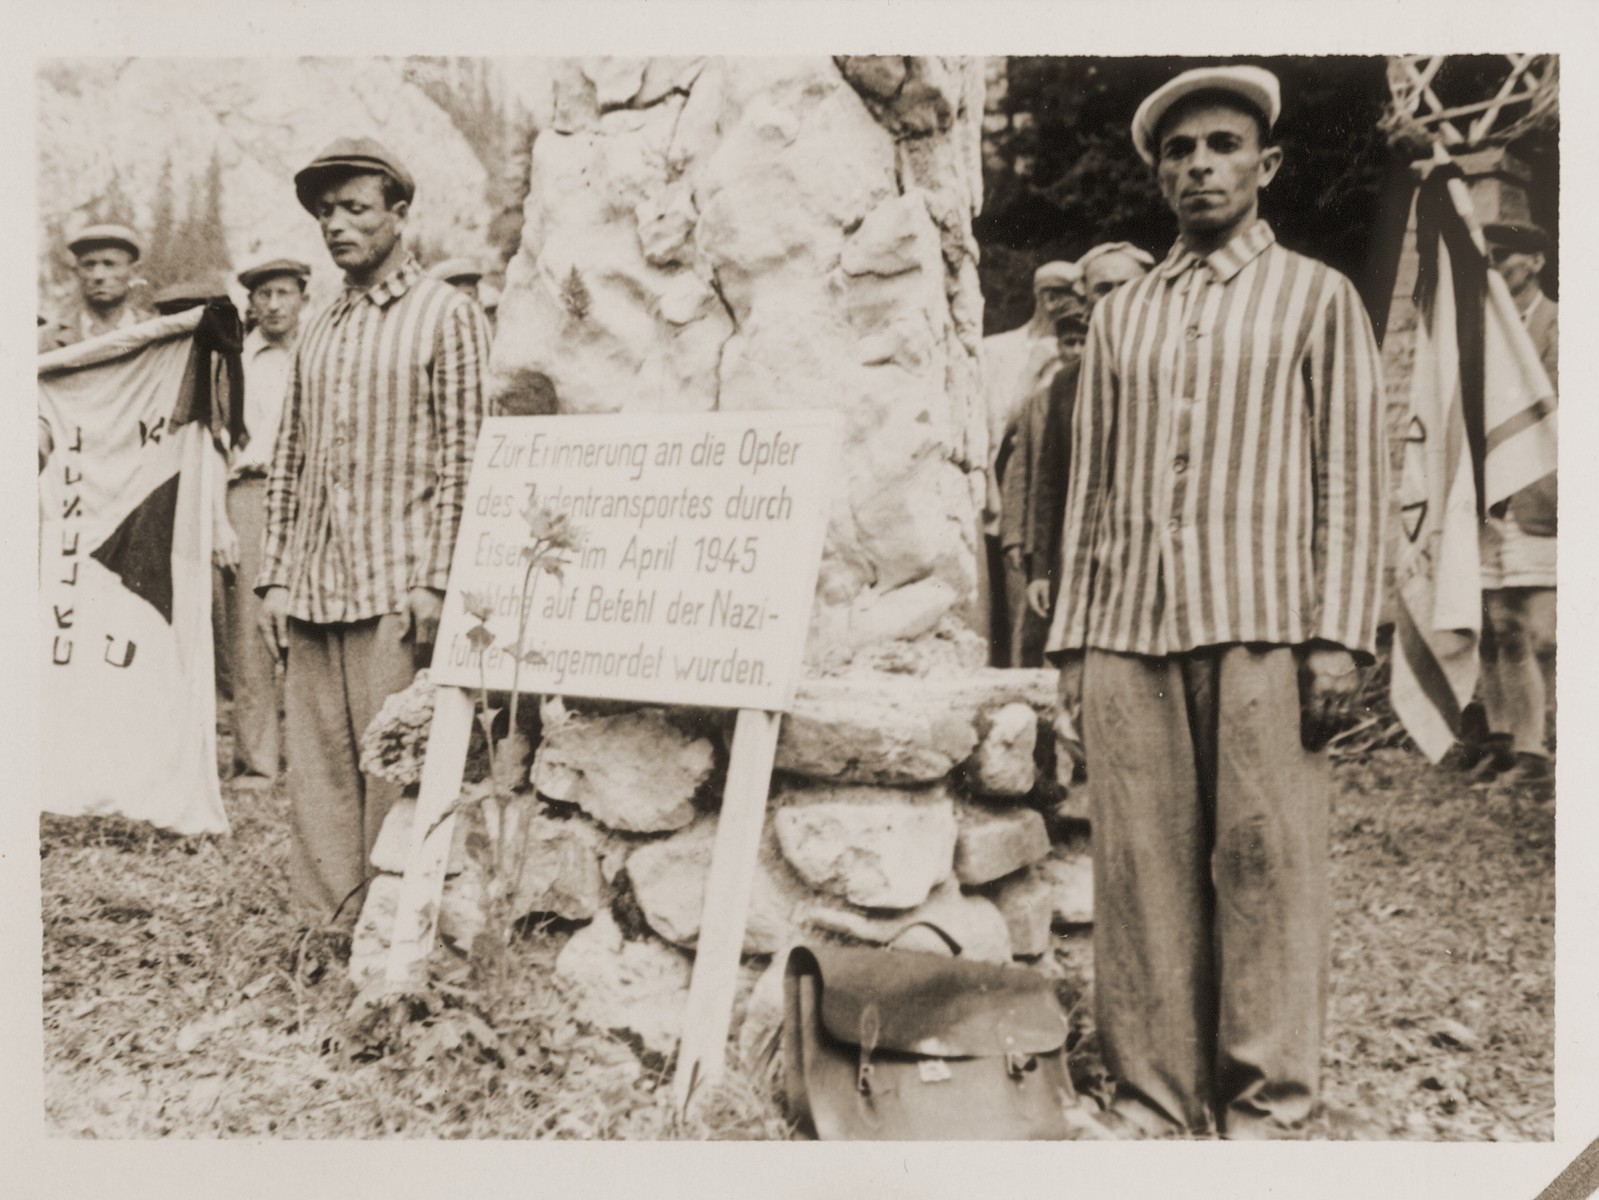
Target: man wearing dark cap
106,257
276,289
364,499
1221,567
1517,550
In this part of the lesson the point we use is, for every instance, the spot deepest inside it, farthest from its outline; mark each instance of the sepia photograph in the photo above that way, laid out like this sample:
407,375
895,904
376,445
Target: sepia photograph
822,597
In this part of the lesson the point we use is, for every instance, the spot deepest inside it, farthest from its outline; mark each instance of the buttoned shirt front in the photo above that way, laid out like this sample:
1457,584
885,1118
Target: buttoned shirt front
267,366
1228,477
371,460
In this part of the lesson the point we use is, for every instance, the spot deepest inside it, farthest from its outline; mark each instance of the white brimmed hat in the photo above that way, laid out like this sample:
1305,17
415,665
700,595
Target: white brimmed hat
1256,86
1106,249
1059,273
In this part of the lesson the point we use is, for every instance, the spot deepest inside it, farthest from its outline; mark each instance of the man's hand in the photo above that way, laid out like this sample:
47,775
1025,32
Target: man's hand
1038,596
1070,693
225,546
1013,558
274,621
1069,710
1329,681
423,606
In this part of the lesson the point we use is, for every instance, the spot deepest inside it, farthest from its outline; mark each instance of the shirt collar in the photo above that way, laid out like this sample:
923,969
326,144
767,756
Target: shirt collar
388,289
255,343
1232,258
124,319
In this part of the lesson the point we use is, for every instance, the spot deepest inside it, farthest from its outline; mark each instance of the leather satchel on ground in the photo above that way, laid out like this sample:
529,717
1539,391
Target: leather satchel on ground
891,1045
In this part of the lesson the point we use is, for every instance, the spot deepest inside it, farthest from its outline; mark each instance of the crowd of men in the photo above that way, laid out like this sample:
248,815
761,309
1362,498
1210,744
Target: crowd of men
336,516
1168,439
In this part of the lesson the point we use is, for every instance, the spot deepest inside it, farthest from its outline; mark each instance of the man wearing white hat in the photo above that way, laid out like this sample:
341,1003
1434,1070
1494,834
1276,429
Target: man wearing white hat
1015,365
1220,573
107,256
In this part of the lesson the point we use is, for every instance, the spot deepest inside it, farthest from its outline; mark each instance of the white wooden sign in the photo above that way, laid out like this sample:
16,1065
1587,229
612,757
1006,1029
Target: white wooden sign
693,584
703,533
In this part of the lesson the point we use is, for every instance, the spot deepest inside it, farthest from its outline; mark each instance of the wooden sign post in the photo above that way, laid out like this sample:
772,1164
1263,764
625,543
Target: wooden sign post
692,585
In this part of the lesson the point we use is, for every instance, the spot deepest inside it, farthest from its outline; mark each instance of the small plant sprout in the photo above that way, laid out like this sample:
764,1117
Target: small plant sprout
551,539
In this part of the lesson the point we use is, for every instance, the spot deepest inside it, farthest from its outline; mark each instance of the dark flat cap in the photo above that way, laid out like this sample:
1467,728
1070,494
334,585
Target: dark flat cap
348,156
1072,322
1521,236
254,277
452,269
96,236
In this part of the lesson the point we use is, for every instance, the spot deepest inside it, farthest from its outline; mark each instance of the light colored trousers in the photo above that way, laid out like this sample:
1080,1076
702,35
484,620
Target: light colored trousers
337,678
253,669
1518,664
1210,887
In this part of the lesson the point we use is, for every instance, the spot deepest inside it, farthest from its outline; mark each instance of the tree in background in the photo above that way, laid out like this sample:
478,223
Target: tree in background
163,222
498,133
199,250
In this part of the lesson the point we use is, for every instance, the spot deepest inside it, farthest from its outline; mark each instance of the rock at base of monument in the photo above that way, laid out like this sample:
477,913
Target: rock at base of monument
461,915
1070,875
995,842
369,944
898,729
394,840
556,862
638,988
636,772
876,847
872,738
668,878
1070,813
1003,764
1027,902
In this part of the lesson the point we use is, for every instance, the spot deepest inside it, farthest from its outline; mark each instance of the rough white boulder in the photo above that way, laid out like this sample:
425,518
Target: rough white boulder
994,842
633,987
875,847
634,771
1004,762
669,883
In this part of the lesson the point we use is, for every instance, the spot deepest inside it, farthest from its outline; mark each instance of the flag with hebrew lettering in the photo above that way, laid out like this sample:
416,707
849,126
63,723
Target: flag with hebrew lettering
1482,426
128,716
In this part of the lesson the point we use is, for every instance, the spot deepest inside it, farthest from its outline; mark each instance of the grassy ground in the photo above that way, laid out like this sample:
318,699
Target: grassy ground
179,999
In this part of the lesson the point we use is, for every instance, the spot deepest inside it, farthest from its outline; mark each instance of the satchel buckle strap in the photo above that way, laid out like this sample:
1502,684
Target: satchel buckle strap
870,1029
1017,1065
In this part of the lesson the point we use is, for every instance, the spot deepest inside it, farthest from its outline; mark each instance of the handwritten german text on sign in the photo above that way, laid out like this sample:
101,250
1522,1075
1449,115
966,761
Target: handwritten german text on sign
701,538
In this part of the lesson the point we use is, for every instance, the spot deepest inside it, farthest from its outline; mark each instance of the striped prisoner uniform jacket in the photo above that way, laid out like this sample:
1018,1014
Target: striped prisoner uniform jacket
1228,477
369,471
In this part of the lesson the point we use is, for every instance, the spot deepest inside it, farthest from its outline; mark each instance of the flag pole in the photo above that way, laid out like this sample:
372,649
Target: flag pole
1461,197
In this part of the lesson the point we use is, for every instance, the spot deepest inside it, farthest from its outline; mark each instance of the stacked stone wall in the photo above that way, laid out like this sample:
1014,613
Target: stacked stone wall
746,234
